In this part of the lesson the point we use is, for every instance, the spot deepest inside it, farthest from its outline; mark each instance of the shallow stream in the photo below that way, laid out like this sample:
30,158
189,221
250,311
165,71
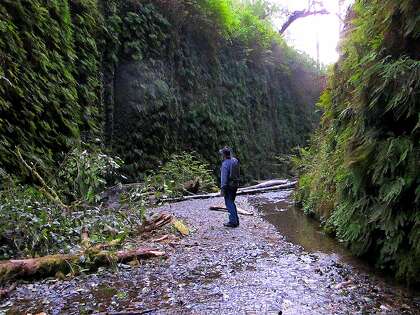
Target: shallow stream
305,231
301,229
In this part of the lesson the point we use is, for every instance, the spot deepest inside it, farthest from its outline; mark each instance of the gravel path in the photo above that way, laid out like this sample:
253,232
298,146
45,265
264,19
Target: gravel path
216,270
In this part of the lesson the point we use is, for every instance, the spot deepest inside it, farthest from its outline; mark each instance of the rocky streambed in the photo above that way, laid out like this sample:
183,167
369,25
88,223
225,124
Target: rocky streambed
254,269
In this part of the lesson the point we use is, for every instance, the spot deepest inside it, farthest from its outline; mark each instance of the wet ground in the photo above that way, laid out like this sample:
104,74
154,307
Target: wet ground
259,268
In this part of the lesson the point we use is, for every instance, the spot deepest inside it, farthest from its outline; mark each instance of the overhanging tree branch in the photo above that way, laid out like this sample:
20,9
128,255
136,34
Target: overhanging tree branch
300,14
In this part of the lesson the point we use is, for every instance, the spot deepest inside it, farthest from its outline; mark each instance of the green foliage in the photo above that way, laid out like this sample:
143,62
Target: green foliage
85,172
32,226
222,12
50,87
205,74
242,21
204,81
362,172
182,169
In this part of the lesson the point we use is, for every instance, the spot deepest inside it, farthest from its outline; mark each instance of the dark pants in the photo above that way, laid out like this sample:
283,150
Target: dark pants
230,195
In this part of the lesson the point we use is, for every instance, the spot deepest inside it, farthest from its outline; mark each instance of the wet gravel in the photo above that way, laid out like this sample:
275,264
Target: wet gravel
217,270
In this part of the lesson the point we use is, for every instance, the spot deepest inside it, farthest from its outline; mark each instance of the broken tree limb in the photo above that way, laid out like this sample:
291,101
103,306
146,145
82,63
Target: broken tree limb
300,14
156,222
224,209
50,265
48,191
241,191
160,239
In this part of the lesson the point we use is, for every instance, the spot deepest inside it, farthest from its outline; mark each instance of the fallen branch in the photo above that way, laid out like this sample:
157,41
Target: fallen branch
157,222
242,191
224,209
160,239
6,292
50,265
48,191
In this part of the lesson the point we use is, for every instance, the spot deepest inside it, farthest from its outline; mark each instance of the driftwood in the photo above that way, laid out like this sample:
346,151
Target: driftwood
48,191
250,191
241,191
224,209
51,265
269,183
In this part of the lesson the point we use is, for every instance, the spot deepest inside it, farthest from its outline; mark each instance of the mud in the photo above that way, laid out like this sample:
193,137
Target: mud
253,269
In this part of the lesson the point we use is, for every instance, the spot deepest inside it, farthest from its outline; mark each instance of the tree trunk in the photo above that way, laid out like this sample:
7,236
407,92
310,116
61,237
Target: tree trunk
50,265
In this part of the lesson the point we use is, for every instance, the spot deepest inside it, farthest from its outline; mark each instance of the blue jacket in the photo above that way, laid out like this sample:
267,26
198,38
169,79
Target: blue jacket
229,177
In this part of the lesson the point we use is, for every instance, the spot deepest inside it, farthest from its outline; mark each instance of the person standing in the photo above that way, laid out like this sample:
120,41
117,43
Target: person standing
229,182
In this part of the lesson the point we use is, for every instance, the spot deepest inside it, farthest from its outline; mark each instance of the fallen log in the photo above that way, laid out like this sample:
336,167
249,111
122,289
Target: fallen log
250,191
50,265
224,209
241,191
268,183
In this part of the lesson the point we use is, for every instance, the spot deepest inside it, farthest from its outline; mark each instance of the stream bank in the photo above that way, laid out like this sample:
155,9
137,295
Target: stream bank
253,269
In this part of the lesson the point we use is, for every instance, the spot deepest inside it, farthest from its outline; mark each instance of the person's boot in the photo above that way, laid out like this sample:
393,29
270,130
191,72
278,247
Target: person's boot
230,225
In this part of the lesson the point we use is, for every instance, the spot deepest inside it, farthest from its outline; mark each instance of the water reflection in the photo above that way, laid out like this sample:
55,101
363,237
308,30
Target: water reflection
299,228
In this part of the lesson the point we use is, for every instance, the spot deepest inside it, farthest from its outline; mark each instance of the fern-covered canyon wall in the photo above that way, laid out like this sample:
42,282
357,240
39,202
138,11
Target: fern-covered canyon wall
50,78
151,78
361,174
180,84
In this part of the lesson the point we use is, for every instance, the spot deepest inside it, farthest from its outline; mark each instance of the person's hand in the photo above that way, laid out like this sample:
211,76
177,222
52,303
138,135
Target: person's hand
222,193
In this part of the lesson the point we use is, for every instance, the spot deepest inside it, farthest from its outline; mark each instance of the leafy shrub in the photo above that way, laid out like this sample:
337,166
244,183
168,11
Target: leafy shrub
85,172
182,169
241,21
32,226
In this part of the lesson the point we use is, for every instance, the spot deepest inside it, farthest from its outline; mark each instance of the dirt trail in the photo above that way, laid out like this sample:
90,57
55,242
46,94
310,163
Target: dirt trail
216,270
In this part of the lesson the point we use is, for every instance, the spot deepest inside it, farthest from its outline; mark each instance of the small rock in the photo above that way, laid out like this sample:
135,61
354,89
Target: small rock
343,284
385,308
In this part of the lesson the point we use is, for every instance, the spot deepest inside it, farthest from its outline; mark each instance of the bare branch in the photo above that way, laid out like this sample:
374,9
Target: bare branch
298,15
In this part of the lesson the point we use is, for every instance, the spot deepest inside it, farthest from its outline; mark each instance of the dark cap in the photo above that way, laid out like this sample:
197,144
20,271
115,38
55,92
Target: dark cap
226,151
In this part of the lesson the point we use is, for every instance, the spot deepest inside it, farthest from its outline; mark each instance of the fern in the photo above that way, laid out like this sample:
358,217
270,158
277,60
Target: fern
370,131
